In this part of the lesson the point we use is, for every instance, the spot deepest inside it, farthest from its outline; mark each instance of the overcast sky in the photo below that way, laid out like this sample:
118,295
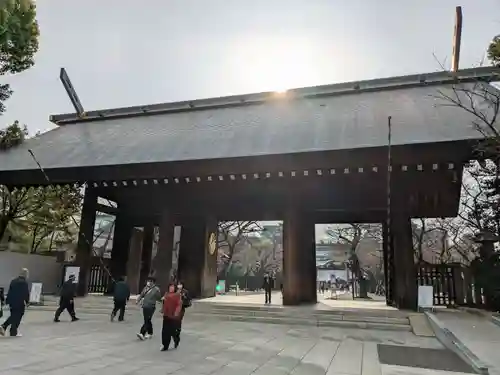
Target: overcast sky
123,52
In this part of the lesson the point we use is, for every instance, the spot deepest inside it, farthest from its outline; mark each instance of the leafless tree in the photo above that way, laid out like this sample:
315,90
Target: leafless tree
232,233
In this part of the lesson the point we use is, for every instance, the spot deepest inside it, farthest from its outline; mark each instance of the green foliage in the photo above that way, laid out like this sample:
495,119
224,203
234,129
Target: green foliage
494,51
12,135
18,36
36,216
18,40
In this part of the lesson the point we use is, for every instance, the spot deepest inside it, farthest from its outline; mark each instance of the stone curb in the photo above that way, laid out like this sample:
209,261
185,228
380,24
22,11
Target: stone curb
496,320
453,343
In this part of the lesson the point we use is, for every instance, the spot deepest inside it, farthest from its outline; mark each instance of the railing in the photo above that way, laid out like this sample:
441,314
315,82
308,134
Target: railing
442,278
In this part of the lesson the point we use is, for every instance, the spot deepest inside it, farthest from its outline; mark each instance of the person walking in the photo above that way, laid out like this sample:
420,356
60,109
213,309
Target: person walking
185,303
121,295
268,287
18,298
172,307
67,300
148,298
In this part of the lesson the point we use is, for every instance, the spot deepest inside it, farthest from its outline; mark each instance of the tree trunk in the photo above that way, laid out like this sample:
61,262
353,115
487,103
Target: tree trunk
51,240
4,222
32,248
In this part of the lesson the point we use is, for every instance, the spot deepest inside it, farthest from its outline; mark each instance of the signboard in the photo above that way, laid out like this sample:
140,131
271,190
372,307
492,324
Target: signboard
36,293
425,296
63,76
72,270
221,287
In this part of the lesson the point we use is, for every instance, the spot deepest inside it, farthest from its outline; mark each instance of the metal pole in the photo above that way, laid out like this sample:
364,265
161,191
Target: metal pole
388,219
88,242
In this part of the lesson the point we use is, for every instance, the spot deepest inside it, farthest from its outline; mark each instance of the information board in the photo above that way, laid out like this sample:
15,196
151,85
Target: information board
36,293
72,270
425,296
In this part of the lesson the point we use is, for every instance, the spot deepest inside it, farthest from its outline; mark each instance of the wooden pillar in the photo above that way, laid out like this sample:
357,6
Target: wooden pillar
197,267
405,296
85,239
299,264
134,260
308,263
146,254
388,252
121,245
162,263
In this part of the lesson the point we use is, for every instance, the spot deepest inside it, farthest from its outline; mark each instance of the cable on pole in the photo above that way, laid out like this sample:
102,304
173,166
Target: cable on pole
84,237
388,197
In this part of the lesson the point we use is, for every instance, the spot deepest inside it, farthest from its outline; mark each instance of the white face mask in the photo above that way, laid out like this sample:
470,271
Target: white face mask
179,287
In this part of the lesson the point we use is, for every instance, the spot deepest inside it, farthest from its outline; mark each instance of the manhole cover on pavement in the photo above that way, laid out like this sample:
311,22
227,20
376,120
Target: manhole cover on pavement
434,359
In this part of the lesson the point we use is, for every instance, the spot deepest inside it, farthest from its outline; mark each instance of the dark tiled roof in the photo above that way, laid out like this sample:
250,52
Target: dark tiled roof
318,121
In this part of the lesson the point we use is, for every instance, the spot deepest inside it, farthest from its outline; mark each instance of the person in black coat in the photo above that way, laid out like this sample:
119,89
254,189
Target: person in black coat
268,286
121,294
18,298
67,299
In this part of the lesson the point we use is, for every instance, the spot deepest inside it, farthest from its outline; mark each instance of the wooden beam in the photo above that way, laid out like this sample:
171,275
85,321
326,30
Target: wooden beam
457,40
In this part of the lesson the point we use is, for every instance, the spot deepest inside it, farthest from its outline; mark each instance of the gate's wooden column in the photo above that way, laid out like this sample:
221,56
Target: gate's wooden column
197,267
405,278
388,252
146,254
299,265
162,263
134,260
121,245
85,239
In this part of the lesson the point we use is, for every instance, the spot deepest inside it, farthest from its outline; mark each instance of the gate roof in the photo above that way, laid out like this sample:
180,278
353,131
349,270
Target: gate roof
333,117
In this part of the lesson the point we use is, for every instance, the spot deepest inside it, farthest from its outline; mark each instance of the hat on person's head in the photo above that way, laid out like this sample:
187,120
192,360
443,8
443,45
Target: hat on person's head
24,273
151,278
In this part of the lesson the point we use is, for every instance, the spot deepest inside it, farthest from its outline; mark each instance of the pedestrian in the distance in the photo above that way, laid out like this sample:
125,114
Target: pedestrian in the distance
268,286
121,295
172,306
185,303
18,298
148,298
67,299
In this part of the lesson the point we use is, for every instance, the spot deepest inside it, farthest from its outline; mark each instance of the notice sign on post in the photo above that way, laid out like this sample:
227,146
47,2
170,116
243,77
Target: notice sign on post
425,297
72,271
36,293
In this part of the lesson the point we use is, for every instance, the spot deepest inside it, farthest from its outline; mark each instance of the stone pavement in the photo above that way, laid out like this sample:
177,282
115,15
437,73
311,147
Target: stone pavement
325,302
94,345
478,333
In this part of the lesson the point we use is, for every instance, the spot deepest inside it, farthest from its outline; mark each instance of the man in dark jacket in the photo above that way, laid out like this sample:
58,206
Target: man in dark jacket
268,286
121,295
18,298
67,299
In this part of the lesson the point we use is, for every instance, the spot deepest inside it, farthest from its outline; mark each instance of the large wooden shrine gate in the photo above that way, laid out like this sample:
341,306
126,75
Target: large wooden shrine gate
314,155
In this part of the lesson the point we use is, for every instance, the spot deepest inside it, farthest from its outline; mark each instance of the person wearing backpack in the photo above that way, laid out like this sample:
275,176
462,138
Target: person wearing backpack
186,303
121,295
148,298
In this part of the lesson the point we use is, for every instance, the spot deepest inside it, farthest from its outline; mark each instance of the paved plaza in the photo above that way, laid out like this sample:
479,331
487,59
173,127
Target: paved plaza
94,345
